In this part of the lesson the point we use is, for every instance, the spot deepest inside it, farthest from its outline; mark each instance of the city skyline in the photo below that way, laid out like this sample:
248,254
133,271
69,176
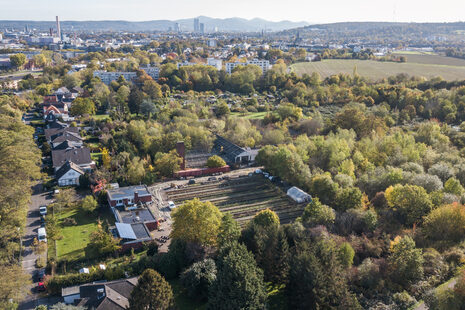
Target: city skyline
293,10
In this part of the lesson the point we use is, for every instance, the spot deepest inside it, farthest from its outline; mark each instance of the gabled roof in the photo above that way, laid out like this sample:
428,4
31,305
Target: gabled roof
65,136
108,295
52,109
79,156
65,145
67,167
56,128
56,124
227,149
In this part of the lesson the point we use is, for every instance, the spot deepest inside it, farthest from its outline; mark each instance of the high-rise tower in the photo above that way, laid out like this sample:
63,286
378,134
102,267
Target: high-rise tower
58,29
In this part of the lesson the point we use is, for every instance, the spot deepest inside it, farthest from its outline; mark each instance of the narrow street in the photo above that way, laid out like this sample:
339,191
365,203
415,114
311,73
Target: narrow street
29,257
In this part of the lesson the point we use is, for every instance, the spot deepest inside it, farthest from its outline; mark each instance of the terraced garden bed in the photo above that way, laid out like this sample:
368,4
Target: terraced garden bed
242,197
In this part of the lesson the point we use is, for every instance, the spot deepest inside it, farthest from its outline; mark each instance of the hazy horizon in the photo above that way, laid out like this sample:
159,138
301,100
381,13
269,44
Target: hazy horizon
292,10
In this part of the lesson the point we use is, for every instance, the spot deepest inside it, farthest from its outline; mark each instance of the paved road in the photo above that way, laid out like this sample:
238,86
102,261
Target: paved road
29,257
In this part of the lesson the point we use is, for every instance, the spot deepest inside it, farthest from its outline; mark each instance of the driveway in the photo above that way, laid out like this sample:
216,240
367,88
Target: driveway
29,257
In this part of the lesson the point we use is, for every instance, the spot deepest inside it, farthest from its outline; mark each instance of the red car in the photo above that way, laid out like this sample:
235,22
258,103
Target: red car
41,287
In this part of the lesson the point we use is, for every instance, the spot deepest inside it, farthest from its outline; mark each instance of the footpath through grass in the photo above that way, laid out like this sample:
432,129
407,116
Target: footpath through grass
76,237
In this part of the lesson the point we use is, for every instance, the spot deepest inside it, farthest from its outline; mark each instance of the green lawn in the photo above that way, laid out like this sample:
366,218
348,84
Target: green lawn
100,117
250,115
376,70
76,237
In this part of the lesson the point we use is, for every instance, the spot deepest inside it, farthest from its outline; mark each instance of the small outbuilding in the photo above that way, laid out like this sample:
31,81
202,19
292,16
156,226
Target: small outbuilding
298,195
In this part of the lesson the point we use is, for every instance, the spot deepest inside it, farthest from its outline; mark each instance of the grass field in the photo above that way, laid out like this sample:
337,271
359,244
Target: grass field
76,237
250,115
433,66
432,59
99,117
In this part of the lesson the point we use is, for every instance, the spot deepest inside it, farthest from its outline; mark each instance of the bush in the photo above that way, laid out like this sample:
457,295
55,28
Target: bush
403,300
69,221
215,162
316,213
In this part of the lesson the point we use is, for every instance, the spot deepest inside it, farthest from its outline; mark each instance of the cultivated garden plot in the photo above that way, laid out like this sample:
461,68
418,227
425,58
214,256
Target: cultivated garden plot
243,197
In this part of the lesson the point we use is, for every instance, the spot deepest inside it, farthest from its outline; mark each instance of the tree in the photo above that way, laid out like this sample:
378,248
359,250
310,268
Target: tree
229,230
167,164
136,170
197,222
265,218
215,162
348,198
411,201
18,60
445,223
152,89
152,292
317,278
53,228
239,282
323,187
135,100
106,158
82,106
101,243
147,108
453,186
346,254
198,278
406,260
89,204
316,213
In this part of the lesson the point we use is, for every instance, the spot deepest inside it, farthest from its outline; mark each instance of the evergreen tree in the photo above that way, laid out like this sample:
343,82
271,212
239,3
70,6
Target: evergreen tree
152,292
316,278
239,282
229,230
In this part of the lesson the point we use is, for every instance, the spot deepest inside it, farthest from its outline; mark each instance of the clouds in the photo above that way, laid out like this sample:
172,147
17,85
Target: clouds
296,10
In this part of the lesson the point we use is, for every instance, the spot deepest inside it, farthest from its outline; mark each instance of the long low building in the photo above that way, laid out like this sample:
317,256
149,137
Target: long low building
128,196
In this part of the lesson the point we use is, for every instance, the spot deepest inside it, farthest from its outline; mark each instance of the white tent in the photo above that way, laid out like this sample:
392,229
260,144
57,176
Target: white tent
298,195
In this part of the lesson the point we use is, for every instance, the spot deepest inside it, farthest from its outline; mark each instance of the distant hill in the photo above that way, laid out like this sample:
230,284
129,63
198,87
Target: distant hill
227,25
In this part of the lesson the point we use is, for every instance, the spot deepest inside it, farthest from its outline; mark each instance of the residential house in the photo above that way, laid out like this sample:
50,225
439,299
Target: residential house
113,295
69,174
80,156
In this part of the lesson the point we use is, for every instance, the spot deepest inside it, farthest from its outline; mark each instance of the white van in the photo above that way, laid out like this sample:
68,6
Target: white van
42,234
171,205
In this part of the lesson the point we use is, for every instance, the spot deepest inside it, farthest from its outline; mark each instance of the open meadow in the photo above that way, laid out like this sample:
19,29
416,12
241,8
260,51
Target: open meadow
424,65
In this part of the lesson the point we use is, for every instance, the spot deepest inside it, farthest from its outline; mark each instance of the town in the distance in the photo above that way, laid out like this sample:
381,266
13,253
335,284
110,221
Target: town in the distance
210,163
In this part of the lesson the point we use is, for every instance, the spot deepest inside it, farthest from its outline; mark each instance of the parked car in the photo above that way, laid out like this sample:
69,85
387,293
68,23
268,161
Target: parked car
41,287
191,181
42,234
171,205
212,178
43,210
258,171
40,275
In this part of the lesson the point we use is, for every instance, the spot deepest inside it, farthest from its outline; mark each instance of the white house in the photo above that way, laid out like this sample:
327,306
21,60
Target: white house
108,77
263,64
69,174
217,63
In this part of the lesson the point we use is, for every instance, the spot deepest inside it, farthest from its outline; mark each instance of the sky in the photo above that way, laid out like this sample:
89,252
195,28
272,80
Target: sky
312,11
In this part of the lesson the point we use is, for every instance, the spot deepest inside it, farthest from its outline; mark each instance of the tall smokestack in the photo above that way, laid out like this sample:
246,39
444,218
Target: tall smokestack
58,28
181,150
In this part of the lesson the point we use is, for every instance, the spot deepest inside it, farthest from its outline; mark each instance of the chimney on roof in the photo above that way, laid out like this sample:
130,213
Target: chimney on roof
181,150
136,196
